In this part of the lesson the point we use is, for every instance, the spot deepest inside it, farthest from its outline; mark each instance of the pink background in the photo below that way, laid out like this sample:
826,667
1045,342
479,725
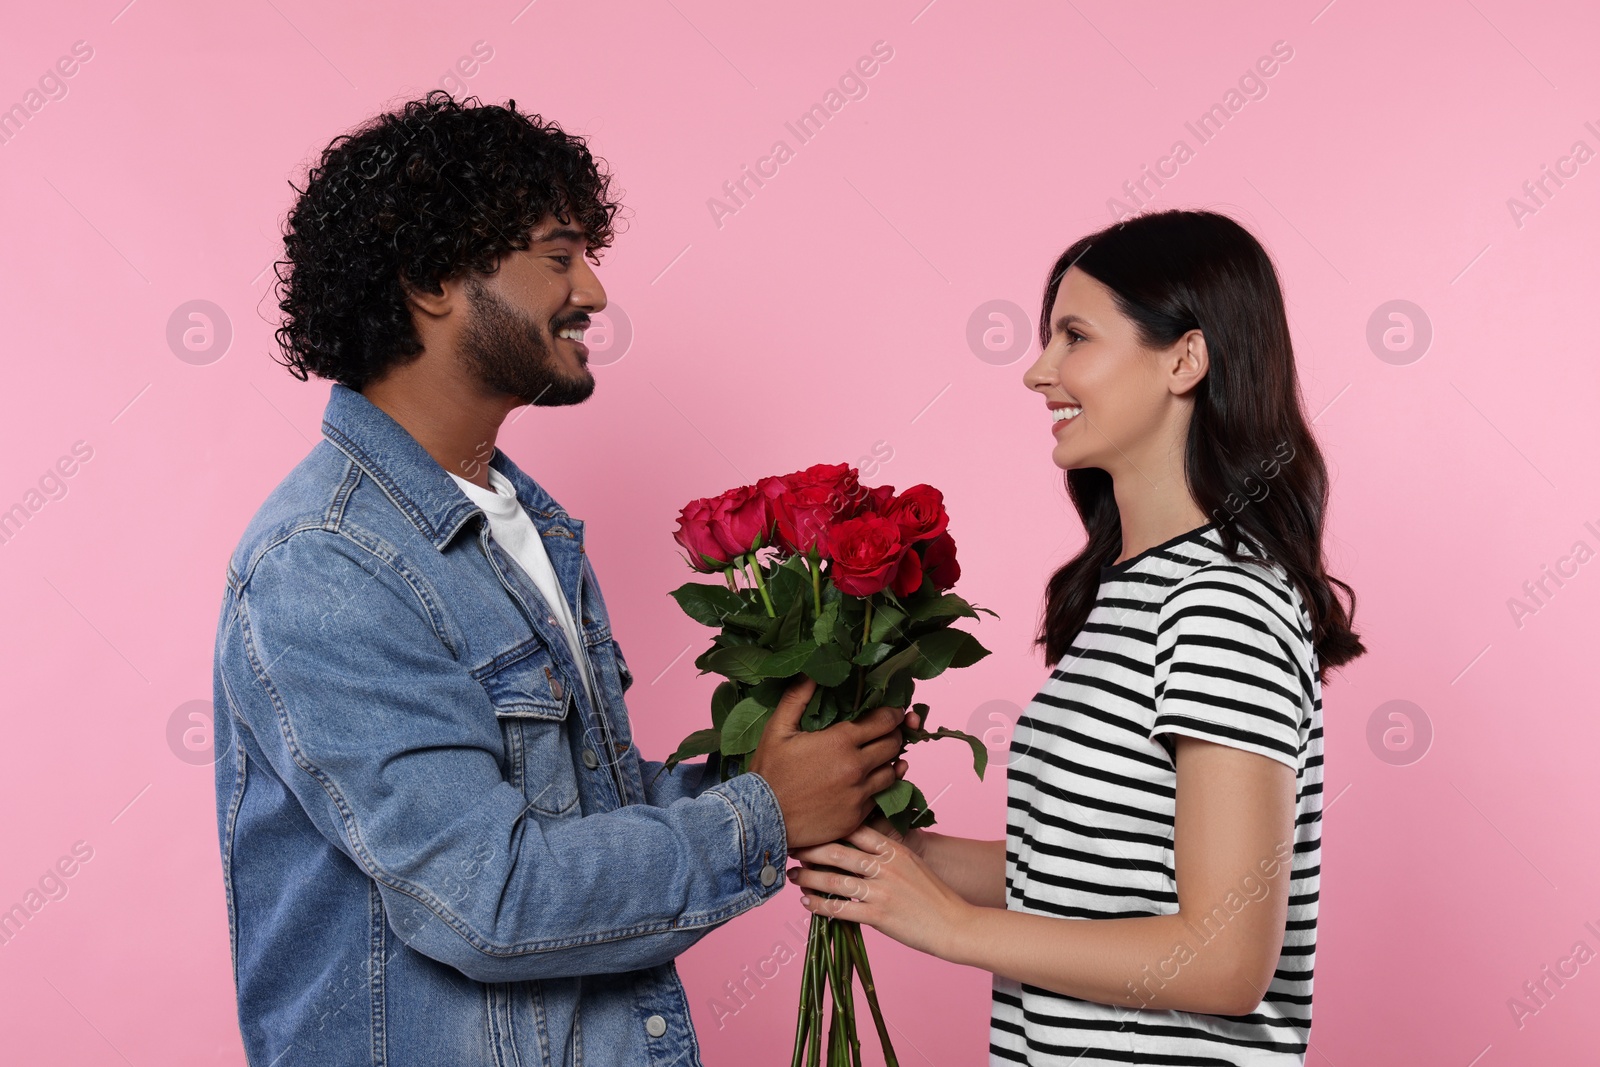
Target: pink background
827,316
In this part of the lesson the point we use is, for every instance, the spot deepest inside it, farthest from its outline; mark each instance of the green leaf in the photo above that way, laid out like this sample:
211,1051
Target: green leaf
948,606
723,698
823,629
743,729
827,666
832,706
886,620
768,691
872,655
897,693
790,626
980,752
787,587
893,801
743,663
698,743
915,813
947,648
879,676
708,604
812,717
787,661
763,625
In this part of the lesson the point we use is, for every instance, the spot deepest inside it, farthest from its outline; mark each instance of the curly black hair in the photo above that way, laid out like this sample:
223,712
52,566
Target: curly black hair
436,189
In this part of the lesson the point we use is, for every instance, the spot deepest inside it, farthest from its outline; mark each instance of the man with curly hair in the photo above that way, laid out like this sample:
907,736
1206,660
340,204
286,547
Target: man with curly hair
440,845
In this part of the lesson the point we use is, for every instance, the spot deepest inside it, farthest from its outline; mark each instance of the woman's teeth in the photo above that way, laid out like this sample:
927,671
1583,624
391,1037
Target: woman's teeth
1063,414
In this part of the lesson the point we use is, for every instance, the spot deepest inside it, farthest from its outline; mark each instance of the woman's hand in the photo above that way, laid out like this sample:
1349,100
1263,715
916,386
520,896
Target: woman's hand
888,885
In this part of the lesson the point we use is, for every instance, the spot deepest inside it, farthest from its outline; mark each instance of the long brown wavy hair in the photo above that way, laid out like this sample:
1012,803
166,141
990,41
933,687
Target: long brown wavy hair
1251,461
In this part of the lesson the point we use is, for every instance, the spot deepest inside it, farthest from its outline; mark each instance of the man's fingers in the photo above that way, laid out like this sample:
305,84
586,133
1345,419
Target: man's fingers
883,750
793,702
879,780
877,723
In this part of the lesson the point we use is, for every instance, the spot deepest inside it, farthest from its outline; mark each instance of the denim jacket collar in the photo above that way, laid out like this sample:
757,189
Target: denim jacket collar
427,495
414,480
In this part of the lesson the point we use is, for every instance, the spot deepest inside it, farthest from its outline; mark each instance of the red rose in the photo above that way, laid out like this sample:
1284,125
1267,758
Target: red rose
866,553
920,513
803,516
813,500
878,498
835,475
738,516
694,533
771,489
841,479
908,575
939,560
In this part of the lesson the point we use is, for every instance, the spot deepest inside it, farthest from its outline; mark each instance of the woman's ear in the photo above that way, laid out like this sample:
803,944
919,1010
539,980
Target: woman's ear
1189,361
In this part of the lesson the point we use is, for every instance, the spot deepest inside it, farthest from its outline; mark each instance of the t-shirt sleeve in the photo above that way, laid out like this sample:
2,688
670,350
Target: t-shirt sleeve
1226,665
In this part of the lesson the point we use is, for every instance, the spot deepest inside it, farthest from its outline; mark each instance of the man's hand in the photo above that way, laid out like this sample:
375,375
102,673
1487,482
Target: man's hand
825,779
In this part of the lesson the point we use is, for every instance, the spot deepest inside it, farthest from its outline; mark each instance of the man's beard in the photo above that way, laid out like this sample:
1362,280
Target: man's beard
508,351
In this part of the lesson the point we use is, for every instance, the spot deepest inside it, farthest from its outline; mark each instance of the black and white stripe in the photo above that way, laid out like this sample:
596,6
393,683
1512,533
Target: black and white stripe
1181,640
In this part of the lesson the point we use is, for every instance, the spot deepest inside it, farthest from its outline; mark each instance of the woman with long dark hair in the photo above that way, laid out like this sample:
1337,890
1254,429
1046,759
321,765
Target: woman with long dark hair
1155,897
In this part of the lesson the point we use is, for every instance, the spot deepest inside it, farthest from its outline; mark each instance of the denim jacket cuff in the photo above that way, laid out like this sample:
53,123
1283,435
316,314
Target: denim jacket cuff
764,839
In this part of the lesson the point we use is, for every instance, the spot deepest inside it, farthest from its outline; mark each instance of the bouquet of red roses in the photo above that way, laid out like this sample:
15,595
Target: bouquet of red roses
848,585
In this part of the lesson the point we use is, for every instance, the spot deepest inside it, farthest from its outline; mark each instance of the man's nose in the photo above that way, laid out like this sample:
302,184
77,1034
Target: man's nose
587,292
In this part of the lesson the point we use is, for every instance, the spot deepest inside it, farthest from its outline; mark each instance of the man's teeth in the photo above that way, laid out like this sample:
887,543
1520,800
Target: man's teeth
1062,414
571,333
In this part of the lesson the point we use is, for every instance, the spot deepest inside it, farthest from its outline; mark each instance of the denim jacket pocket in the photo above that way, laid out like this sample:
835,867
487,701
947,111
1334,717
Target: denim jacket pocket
531,698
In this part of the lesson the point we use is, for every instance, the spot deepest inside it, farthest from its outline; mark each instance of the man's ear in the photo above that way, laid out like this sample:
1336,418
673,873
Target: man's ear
450,293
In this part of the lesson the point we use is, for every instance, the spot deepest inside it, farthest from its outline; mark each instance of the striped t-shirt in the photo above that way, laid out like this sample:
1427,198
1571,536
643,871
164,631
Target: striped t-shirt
1181,640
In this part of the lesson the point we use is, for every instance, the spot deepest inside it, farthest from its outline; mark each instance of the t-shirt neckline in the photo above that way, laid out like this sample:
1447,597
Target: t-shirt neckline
499,499
1194,534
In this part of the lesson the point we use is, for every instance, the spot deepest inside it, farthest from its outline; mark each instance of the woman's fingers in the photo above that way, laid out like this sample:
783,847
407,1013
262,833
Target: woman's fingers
833,883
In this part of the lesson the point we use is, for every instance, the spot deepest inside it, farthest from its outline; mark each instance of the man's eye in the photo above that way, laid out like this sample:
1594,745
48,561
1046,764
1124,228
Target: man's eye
562,258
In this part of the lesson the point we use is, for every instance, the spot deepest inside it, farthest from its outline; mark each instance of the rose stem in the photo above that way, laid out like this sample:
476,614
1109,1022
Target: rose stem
755,569
858,949
839,1040
815,567
814,1057
803,1022
847,983
866,639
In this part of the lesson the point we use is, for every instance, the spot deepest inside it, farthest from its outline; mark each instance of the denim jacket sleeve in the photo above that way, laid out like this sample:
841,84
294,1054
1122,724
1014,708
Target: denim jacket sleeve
345,673
662,786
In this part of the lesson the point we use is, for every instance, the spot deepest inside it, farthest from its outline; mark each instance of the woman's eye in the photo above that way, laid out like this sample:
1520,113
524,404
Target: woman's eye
1071,334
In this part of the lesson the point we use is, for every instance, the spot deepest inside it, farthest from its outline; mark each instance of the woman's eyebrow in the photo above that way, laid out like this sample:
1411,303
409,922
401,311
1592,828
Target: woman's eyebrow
1067,320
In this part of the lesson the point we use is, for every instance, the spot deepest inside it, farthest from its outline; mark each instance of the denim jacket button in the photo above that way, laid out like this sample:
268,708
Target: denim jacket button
555,688
769,874
590,760
655,1026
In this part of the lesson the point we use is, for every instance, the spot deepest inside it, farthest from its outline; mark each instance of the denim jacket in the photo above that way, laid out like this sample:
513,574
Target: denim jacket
436,852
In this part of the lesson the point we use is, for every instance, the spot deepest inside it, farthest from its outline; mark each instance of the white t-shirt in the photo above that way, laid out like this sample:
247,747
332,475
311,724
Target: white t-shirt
1181,640
512,527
